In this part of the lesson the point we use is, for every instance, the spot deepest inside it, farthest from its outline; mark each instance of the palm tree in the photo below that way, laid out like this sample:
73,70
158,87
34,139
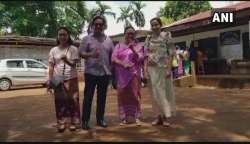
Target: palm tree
138,15
101,10
126,14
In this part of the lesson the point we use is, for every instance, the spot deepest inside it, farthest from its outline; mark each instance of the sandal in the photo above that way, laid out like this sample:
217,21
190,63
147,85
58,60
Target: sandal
72,128
138,122
61,128
157,121
124,122
166,124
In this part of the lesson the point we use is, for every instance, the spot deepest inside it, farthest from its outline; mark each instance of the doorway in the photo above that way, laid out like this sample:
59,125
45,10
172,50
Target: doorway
245,44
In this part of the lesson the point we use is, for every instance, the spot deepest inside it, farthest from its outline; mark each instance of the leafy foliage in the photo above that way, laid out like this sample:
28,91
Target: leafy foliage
102,10
42,18
177,10
72,14
126,15
29,17
138,15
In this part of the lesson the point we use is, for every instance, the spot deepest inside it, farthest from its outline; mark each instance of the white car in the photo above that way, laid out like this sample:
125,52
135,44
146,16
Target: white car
16,72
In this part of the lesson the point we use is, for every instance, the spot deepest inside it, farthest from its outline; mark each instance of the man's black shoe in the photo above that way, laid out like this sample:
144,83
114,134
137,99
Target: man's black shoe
102,123
85,125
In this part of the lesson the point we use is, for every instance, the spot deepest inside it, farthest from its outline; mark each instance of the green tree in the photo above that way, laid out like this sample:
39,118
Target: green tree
29,18
42,18
72,14
102,10
177,10
166,21
138,15
126,14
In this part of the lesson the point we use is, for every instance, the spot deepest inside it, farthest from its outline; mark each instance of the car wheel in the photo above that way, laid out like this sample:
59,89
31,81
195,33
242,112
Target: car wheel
5,84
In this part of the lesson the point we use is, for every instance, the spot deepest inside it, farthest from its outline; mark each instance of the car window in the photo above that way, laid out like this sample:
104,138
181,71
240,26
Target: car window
32,64
15,64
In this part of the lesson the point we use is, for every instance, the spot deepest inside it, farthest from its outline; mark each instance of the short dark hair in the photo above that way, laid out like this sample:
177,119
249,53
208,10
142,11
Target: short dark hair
70,41
99,17
157,19
128,27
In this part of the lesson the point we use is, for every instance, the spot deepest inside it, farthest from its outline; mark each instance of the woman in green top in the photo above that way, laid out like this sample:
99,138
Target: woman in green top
158,63
187,63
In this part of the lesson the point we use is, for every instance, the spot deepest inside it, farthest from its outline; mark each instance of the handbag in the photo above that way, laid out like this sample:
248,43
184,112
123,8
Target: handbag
56,81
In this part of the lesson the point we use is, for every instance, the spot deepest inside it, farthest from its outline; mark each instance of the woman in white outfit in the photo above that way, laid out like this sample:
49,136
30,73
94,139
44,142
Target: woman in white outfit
159,53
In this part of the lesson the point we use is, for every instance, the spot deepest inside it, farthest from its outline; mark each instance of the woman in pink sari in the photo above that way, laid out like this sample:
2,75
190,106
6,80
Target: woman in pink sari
127,58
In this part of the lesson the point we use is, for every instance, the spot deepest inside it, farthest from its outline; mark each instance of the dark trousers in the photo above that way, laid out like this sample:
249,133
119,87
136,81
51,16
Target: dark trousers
175,72
91,82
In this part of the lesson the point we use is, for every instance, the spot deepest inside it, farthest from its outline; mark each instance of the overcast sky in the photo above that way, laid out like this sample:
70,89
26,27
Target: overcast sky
152,7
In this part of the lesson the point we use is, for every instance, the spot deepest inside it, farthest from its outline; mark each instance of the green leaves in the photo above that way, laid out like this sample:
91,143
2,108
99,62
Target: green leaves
177,10
26,17
138,15
42,18
134,13
102,9
1,7
73,15
126,14
166,21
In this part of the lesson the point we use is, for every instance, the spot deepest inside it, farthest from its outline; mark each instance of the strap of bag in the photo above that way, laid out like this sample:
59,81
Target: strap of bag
148,40
64,66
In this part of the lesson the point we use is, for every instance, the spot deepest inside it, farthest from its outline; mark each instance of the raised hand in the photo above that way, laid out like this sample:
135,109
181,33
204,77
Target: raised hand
63,57
131,46
95,53
128,65
168,74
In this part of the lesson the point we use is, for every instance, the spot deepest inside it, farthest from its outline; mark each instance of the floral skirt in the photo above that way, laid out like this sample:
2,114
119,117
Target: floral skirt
67,102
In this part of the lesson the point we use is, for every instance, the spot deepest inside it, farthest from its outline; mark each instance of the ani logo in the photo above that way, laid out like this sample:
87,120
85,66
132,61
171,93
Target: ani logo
223,16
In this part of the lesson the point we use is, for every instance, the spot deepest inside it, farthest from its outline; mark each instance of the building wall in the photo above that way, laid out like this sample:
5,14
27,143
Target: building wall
117,38
227,51
36,52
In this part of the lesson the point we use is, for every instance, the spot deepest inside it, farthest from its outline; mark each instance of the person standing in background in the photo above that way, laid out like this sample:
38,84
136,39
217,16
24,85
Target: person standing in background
186,61
175,63
180,70
200,63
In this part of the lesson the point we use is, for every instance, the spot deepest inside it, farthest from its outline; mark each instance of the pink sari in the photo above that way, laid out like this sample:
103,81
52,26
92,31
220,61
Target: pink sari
128,80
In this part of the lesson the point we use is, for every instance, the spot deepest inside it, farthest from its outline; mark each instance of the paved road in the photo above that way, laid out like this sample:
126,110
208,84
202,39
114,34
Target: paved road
202,115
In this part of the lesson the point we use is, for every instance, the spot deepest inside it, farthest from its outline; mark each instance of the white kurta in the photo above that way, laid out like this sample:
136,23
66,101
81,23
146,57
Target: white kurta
159,50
